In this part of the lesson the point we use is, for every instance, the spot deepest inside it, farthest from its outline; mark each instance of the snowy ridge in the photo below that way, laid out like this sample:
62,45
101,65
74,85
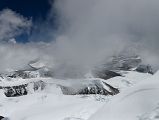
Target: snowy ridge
68,87
134,103
43,97
50,103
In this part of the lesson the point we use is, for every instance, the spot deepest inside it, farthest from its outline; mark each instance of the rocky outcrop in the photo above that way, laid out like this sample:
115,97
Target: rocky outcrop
20,90
89,87
23,74
14,91
109,70
106,74
26,74
1,117
144,69
121,63
95,88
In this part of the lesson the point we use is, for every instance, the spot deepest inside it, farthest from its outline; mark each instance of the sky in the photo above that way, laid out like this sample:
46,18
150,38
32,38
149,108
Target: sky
28,8
74,36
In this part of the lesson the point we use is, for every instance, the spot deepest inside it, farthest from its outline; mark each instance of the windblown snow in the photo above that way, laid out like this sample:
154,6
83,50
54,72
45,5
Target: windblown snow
138,96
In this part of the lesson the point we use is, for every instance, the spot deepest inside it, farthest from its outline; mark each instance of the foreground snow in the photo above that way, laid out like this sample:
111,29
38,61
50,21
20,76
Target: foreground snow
137,103
42,106
51,104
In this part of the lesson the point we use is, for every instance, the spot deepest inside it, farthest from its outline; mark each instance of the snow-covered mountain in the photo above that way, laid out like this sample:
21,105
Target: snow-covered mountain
40,96
119,63
140,102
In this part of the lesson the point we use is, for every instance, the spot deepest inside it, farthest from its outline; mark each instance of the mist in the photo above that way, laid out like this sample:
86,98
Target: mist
88,33
93,31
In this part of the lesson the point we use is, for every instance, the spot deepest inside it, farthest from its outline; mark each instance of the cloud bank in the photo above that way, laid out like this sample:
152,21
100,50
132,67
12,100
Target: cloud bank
15,56
94,30
87,33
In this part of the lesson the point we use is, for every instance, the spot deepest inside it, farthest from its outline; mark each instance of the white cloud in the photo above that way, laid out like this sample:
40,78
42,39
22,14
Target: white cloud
12,24
90,31
93,30
17,56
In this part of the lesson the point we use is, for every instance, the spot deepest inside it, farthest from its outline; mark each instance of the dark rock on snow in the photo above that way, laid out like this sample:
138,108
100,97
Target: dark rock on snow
15,91
20,90
1,117
117,63
90,89
144,69
106,74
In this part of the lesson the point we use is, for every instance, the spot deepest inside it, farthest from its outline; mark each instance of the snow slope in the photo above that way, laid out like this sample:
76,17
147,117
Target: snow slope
42,106
128,79
51,104
137,103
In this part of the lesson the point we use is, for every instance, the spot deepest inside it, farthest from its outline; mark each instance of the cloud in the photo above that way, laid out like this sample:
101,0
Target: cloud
92,31
14,55
12,24
87,33
17,56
